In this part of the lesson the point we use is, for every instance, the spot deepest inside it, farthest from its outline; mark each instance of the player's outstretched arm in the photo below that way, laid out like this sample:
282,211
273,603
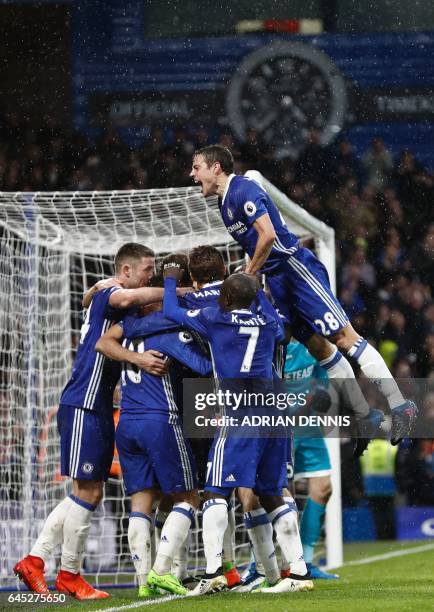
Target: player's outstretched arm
191,319
142,296
188,353
151,361
171,309
125,298
266,237
105,283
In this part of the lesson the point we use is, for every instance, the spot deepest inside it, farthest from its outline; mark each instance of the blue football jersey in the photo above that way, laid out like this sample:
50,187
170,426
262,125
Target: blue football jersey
243,202
156,322
94,377
143,393
242,342
208,295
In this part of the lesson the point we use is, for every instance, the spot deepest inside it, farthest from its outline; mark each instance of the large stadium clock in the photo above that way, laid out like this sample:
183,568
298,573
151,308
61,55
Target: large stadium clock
284,90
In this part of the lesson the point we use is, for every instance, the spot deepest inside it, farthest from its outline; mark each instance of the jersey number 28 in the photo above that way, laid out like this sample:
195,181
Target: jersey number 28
329,325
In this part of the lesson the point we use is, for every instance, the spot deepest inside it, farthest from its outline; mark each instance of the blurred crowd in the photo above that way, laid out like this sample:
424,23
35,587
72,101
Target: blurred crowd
381,208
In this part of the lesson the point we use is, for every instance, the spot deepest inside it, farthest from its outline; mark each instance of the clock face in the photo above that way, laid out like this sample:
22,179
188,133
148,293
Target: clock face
284,90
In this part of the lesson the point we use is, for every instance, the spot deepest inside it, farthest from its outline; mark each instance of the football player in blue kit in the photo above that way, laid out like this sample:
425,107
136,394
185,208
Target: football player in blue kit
242,346
300,286
153,452
85,422
207,270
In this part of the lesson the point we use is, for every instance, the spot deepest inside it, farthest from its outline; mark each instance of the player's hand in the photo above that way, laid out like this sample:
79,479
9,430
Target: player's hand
256,275
106,283
173,270
152,362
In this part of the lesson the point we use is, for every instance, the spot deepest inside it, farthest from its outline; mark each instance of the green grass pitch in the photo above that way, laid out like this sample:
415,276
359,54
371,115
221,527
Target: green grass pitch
398,583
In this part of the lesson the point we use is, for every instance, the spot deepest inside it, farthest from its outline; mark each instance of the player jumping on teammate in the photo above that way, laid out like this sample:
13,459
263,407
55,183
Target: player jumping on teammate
299,285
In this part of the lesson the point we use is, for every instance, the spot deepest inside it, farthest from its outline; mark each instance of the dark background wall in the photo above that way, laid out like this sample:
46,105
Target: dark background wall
61,59
35,66
121,64
183,18
179,18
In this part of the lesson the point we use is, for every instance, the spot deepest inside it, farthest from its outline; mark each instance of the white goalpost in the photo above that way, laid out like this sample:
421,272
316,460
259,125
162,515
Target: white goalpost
53,246
308,227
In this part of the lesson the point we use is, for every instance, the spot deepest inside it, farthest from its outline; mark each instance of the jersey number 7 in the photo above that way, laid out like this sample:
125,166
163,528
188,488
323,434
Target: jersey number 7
253,332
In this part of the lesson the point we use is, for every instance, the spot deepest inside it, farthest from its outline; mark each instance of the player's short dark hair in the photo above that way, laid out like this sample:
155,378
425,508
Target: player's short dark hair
217,153
131,251
206,264
182,260
241,288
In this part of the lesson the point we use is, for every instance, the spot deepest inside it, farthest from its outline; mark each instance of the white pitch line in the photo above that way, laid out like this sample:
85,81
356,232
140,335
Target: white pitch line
390,555
141,604
383,557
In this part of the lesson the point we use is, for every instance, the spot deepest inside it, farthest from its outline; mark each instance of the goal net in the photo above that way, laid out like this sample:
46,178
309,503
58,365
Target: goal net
53,247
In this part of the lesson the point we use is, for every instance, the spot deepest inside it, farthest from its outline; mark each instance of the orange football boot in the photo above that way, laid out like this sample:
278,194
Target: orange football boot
76,586
232,576
31,571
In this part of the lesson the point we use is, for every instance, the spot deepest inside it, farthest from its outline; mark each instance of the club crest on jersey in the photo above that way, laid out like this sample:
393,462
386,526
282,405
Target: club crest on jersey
230,214
249,209
185,337
87,468
193,313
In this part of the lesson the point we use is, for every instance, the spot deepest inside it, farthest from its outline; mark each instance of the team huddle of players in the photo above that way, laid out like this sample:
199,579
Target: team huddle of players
154,454
227,328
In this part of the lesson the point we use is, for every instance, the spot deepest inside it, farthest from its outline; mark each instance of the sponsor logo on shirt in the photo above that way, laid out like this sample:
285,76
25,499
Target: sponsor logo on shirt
300,374
237,228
